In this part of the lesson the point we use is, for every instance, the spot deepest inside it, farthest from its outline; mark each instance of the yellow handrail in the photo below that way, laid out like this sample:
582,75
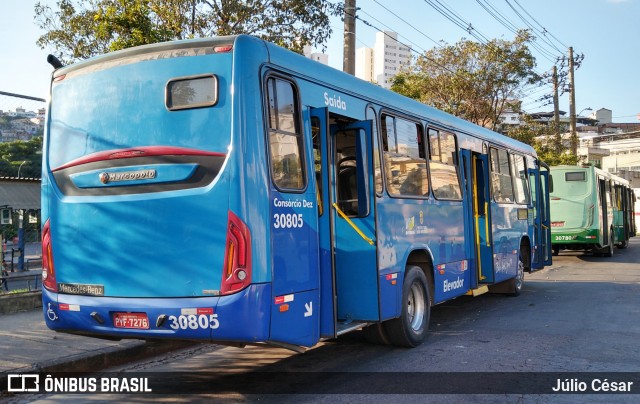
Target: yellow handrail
341,213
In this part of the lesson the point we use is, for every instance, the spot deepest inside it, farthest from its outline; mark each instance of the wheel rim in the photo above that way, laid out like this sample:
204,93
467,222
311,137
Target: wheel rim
520,275
416,307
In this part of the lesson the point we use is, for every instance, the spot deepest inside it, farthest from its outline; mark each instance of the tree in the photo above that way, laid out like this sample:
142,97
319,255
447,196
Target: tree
545,139
474,81
22,156
79,29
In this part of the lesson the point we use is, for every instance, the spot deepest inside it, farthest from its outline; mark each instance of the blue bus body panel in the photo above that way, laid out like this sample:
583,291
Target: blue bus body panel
295,318
147,244
133,249
241,317
434,226
294,248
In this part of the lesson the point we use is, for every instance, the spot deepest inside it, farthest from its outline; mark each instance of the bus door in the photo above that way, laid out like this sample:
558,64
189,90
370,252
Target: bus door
540,187
481,200
603,188
346,229
353,218
319,118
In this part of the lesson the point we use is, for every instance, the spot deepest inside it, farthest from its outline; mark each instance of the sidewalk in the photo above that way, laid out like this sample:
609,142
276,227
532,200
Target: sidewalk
27,345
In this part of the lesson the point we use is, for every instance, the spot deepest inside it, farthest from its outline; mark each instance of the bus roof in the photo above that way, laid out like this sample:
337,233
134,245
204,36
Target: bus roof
595,169
285,59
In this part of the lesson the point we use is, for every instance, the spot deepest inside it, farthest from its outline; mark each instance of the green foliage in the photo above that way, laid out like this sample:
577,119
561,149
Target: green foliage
545,139
79,29
471,80
23,156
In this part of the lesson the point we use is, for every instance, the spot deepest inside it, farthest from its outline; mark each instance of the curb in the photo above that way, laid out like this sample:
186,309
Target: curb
15,302
101,358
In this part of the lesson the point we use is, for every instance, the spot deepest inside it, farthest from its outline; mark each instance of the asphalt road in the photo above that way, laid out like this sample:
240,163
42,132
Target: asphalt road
580,315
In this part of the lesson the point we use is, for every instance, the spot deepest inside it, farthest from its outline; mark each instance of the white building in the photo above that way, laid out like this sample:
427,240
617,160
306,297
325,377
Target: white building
384,61
317,56
364,64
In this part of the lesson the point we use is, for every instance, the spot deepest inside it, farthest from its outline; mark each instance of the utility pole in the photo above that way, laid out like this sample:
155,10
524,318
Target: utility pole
349,61
556,107
572,106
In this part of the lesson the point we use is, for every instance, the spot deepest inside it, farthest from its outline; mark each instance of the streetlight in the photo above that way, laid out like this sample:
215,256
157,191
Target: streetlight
584,109
23,163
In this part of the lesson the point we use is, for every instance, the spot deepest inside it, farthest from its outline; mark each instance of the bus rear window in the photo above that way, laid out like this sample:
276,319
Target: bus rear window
575,176
192,92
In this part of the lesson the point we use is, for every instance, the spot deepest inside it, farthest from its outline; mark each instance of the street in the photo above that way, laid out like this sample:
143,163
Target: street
580,315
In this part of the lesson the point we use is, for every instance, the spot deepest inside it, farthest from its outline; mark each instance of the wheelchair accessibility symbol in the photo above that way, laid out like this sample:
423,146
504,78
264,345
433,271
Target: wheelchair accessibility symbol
50,313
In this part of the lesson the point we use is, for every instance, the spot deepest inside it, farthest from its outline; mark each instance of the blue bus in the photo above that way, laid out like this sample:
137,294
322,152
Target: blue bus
229,190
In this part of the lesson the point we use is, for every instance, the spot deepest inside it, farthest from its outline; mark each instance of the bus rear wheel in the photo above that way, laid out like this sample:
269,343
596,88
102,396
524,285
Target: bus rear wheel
607,251
410,329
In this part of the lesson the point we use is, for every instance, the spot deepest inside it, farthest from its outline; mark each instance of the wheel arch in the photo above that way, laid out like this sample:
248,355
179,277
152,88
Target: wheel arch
525,244
423,259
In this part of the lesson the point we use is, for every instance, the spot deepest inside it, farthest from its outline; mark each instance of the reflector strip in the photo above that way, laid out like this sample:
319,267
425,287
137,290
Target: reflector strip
284,299
196,311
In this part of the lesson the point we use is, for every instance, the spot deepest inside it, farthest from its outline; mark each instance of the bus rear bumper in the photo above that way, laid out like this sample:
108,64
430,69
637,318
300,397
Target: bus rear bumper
241,317
577,237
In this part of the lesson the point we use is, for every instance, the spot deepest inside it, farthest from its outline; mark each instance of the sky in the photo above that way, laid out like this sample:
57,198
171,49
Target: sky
605,31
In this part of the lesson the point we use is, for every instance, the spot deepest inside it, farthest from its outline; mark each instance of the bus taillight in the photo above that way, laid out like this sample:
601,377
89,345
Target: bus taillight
237,258
48,270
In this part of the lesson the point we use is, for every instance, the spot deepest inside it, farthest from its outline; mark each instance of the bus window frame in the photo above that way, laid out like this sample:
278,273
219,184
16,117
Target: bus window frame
419,124
167,93
516,177
376,143
302,146
456,159
491,172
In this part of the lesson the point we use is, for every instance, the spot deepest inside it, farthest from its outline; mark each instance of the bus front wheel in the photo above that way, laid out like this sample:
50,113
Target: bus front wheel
410,329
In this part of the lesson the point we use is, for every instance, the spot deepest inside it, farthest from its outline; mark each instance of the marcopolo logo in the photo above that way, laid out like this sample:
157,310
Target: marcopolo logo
106,177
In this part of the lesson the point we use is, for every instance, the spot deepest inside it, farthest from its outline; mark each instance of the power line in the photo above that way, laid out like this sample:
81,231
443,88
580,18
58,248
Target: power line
498,16
544,30
406,22
528,24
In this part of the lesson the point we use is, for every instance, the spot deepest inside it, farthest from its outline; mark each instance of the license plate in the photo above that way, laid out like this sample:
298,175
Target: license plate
131,320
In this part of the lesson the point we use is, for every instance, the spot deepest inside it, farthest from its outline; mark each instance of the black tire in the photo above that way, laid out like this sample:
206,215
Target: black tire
556,250
623,244
410,329
516,284
607,251
376,334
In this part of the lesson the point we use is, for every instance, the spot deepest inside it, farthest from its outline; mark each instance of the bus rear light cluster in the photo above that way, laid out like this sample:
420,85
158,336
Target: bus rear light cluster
48,269
237,258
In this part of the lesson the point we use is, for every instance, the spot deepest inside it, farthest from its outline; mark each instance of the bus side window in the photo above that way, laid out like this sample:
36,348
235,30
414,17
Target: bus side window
405,164
285,137
501,184
442,163
520,182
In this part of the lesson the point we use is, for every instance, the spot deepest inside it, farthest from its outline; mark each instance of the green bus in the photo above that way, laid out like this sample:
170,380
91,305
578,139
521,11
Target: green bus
591,209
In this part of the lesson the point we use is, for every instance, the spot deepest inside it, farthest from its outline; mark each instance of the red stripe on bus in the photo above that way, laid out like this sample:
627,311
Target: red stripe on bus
137,152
